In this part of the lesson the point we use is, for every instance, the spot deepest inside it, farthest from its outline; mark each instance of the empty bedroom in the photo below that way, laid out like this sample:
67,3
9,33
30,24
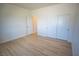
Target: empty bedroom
39,29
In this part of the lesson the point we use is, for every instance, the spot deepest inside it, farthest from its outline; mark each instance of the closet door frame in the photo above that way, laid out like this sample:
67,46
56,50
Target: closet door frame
64,34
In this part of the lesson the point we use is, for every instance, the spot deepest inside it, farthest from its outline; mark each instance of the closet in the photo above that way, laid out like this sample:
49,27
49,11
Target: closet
55,27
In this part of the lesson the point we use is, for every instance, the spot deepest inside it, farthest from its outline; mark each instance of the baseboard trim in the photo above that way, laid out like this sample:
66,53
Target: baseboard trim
7,40
54,38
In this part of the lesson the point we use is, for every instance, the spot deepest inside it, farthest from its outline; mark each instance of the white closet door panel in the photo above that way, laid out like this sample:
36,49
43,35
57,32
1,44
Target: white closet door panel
52,27
62,27
42,26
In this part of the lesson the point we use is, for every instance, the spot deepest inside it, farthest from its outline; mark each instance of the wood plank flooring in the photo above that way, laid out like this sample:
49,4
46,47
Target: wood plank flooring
34,45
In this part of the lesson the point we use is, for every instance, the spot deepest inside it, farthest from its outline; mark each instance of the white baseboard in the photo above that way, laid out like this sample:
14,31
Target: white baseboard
7,40
53,37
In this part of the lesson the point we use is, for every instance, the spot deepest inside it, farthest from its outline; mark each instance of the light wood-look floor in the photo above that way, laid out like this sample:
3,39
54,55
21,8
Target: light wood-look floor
34,45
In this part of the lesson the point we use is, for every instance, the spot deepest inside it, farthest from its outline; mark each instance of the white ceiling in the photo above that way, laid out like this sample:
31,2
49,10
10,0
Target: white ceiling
33,6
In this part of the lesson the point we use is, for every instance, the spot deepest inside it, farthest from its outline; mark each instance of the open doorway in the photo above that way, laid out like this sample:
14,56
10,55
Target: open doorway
34,24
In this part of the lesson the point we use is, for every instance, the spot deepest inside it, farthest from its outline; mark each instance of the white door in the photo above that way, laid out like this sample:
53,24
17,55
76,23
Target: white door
63,27
42,26
52,22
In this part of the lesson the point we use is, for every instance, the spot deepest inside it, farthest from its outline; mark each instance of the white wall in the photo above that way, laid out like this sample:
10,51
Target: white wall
16,22
48,17
75,35
75,42
14,25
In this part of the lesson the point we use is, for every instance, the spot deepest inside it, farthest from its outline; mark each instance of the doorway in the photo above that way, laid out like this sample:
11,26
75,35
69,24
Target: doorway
34,24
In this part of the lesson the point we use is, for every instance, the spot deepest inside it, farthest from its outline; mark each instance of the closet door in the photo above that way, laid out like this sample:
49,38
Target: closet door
62,27
42,26
27,26
52,23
